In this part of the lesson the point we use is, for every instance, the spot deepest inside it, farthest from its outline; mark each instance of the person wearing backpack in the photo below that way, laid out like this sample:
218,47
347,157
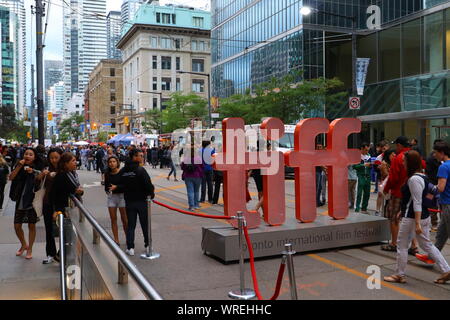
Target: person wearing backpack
415,220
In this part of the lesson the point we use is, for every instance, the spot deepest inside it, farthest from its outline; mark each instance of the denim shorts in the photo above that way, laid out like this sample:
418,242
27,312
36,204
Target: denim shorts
116,200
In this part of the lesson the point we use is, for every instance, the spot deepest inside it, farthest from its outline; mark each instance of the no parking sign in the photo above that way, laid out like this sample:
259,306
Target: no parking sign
355,103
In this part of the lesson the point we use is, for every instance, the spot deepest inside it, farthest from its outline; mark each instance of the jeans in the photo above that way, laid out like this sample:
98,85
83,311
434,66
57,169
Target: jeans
50,246
193,190
351,192
444,227
324,188
406,234
91,163
135,209
318,187
218,180
207,182
2,193
173,170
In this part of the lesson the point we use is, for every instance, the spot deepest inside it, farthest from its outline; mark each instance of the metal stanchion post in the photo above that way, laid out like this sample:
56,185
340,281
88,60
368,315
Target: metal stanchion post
289,253
149,253
243,293
62,256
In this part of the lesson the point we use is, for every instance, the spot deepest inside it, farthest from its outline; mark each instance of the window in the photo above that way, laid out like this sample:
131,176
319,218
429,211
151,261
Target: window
166,63
155,62
178,43
166,43
158,17
113,97
112,72
112,110
165,84
198,85
197,22
434,42
194,45
390,53
154,42
198,65
113,123
411,48
178,85
174,19
112,85
178,63
201,46
155,83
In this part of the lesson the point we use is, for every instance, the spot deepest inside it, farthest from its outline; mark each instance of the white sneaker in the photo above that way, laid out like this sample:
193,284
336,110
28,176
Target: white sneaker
48,260
130,252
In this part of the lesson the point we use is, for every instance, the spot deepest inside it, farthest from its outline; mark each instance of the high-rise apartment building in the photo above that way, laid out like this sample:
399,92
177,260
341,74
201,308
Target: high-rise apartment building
53,74
17,7
128,11
113,23
10,65
84,42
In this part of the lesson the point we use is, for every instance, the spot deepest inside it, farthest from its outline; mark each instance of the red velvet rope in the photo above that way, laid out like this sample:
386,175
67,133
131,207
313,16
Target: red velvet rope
249,246
191,213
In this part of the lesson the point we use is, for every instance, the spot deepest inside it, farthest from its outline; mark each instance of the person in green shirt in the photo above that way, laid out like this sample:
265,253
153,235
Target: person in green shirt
363,172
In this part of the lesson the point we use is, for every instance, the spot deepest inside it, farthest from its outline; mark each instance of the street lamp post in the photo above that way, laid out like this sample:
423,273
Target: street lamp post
306,11
209,90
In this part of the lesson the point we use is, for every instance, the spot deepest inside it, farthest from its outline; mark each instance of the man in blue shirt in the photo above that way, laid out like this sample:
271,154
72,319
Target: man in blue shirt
442,154
207,179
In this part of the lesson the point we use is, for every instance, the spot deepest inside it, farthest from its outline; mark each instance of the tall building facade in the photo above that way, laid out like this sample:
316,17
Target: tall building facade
113,23
105,94
84,42
10,64
128,11
163,41
408,76
53,73
17,7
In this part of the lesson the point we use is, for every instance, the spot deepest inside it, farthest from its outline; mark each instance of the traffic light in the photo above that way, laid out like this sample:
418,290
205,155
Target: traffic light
29,135
49,116
126,121
94,126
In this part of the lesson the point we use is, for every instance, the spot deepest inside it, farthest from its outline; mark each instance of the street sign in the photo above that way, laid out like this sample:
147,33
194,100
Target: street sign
355,103
107,124
27,123
215,115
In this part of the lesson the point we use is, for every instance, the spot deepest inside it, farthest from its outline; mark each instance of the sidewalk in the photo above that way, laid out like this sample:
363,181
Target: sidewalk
22,279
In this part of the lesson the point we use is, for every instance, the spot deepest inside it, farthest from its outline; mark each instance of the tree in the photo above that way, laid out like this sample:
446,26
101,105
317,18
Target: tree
102,136
289,98
153,121
70,128
181,109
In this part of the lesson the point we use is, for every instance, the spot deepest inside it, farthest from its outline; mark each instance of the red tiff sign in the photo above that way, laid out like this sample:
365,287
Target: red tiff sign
235,161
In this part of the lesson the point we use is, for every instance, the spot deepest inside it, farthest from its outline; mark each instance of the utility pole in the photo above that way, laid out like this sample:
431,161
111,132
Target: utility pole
33,125
40,71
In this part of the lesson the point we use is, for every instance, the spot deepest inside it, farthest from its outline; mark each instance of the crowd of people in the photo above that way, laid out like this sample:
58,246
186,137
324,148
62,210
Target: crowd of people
411,190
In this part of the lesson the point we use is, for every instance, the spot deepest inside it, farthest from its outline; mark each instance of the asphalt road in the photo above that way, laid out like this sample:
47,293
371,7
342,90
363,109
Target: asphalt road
184,272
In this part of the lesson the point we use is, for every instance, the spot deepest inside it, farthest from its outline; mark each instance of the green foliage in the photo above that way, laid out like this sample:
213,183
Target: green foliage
10,128
70,128
289,98
153,121
102,136
181,109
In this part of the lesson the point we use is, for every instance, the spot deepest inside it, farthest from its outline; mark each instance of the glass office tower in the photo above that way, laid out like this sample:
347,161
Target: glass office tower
408,78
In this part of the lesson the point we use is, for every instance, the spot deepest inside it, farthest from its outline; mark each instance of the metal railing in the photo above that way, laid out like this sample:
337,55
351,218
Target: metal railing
125,265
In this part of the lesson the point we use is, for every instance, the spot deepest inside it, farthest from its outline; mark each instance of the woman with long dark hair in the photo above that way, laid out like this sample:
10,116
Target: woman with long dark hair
66,182
22,192
116,199
47,177
416,221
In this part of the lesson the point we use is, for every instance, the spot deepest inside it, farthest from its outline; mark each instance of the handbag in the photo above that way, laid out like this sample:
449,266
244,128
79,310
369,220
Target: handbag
38,201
